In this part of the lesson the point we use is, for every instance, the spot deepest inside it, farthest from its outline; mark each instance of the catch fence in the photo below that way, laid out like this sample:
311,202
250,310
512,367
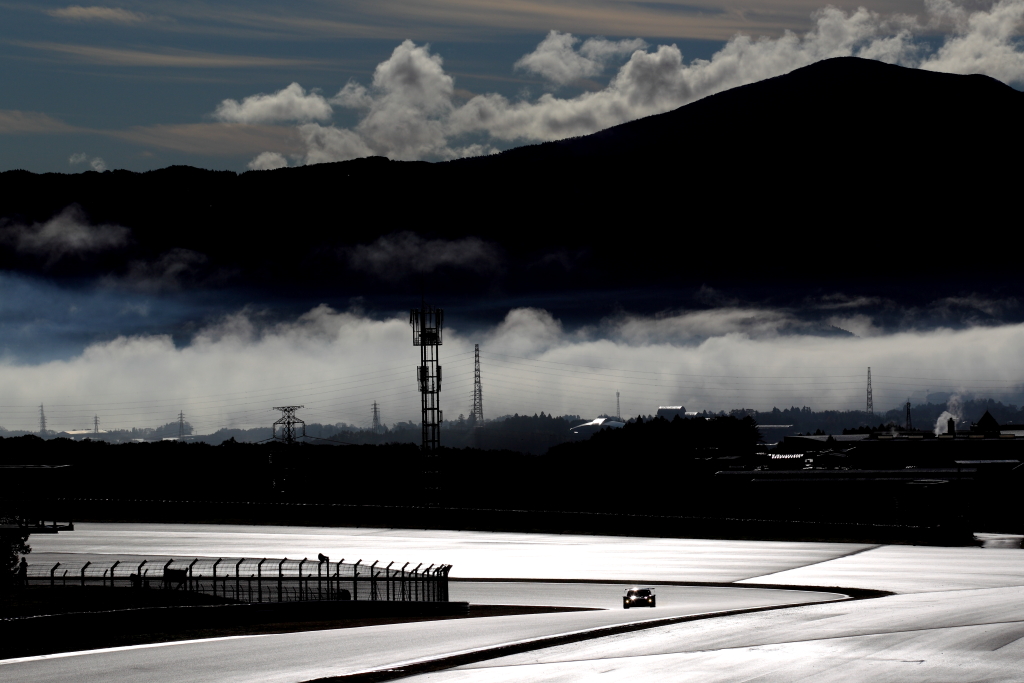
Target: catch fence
252,580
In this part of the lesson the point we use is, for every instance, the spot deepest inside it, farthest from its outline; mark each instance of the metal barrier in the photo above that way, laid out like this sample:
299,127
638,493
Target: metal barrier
257,580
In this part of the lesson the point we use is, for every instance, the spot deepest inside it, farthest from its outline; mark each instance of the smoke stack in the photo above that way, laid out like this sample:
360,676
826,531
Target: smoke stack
951,427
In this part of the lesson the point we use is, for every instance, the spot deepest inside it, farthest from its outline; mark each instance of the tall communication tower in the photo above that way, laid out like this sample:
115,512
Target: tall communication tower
181,424
427,322
871,403
478,392
288,423
618,408
95,424
42,420
910,425
376,427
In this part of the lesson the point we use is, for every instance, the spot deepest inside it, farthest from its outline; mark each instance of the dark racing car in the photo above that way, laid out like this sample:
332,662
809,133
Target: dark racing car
638,597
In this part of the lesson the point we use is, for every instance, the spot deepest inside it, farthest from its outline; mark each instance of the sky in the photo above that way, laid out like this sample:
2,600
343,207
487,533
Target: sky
142,85
255,85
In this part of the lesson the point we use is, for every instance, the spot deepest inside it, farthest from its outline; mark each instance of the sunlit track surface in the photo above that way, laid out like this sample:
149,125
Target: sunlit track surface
961,616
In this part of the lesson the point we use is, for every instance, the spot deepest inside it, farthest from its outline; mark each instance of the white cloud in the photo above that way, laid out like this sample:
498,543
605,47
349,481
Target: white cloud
336,363
69,232
267,161
289,104
409,111
556,59
96,163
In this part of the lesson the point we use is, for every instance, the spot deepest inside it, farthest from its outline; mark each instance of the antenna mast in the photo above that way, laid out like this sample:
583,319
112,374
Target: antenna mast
618,408
181,424
478,392
95,424
871,403
427,322
910,425
42,420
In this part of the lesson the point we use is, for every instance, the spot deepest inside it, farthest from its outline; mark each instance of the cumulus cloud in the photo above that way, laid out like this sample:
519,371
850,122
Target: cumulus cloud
67,233
115,15
96,163
267,161
556,60
337,362
289,104
409,110
396,256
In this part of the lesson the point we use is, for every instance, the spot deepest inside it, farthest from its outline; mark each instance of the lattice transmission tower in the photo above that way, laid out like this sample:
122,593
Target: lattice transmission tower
910,425
478,392
618,408
288,423
42,420
181,424
427,322
95,424
871,403
376,427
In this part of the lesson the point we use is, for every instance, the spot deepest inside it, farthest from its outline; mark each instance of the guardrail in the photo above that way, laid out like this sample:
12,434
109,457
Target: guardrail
251,580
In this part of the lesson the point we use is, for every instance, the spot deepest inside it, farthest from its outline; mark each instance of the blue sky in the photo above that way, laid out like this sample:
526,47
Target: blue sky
136,84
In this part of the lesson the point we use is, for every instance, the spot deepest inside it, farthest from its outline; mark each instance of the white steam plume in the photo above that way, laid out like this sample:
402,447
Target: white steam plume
410,111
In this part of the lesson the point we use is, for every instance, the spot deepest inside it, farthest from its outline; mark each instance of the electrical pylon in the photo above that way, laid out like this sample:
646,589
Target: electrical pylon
871,403
95,424
618,408
478,392
376,427
288,422
181,424
42,420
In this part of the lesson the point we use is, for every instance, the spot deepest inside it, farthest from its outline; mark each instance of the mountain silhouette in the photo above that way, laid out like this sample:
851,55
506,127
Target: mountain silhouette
820,177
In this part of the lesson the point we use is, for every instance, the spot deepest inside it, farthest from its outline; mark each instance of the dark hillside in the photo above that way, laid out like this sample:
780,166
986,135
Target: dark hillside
845,144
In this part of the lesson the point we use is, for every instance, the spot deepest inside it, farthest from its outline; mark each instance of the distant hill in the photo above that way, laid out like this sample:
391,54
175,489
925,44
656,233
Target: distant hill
797,178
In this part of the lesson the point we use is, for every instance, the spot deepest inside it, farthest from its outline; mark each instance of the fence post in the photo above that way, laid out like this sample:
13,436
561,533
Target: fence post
138,573
337,580
319,581
259,578
238,583
190,572
280,577
83,571
215,577
373,581
302,594
52,570
387,579
426,581
416,583
355,579
403,580
112,568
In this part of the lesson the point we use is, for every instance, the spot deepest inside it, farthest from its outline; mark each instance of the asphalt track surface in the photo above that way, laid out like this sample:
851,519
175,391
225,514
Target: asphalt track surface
958,613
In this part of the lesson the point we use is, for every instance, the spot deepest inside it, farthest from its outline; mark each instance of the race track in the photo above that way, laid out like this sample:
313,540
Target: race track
959,610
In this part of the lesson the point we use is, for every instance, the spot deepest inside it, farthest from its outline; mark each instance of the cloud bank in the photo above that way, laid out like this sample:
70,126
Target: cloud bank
337,362
66,234
410,110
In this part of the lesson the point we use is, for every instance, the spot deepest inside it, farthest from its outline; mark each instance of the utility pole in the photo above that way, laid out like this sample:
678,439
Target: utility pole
478,392
618,408
95,424
42,421
376,427
288,422
181,424
871,403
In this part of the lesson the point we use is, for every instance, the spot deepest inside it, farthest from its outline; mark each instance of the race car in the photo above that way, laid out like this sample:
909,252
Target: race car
638,597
